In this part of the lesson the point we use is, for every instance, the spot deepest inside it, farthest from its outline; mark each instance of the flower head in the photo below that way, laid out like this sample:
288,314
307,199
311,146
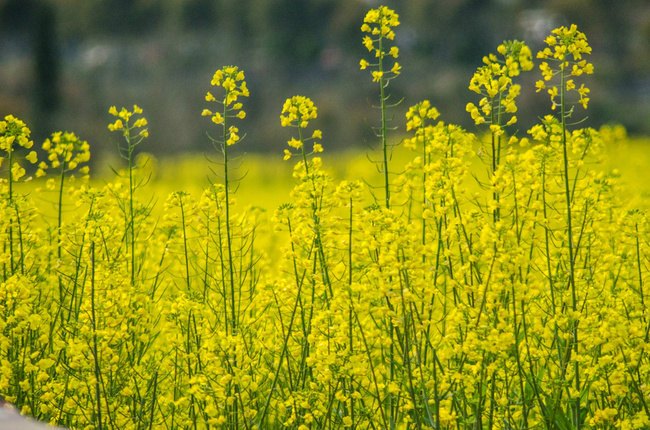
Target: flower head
129,122
123,123
494,81
230,81
297,112
15,134
419,120
378,26
65,151
563,59
418,115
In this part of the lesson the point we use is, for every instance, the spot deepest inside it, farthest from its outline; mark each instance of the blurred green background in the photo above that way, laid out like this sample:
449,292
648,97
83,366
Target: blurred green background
64,62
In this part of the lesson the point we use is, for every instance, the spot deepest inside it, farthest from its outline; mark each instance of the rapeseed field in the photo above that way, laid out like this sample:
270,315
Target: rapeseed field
493,278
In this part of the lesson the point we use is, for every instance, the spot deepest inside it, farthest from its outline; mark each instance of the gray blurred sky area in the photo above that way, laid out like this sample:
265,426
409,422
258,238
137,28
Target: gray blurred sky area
63,63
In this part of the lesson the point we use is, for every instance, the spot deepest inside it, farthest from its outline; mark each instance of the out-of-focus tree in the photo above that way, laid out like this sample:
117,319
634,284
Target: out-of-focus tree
125,17
296,30
46,58
197,14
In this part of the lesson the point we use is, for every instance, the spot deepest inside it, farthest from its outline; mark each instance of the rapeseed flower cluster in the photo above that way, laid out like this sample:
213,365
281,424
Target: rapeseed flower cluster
478,299
123,123
297,111
15,134
564,61
66,152
379,24
232,80
494,81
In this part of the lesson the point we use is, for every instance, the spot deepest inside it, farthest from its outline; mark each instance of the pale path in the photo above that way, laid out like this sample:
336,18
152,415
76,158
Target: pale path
10,419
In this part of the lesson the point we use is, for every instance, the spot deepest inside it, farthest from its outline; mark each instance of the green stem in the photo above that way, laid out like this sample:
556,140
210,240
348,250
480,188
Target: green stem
233,316
574,300
11,175
315,206
11,203
382,106
185,252
131,211
60,210
286,336
639,268
59,224
350,310
94,327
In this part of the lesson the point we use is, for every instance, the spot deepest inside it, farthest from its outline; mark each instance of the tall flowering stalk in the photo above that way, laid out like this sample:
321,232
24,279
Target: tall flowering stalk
563,61
14,134
66,154
297,111
230,80
419,121
231,84
304,221
134,130
378,26
494,81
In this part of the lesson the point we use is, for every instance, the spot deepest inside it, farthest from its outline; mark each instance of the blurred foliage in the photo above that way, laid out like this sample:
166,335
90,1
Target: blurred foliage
159,54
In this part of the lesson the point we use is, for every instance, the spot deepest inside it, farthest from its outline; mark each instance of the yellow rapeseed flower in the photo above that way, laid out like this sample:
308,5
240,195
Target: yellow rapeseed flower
67,151
14,131
563,57
494,81
232,81
297,112
378,25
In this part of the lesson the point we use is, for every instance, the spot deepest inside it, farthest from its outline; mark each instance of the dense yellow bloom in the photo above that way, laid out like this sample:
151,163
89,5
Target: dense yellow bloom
233,135
452,308
563,59
418,114
297,112
13,131
232,80
294,143
494,81
136,129
419,118
379,24
65,151
15,134
17,171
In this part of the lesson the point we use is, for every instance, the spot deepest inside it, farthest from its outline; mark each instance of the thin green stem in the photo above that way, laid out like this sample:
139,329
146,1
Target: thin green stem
234,418
11,204
224,147
382,106
131,209
97,367
569,219
185,250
